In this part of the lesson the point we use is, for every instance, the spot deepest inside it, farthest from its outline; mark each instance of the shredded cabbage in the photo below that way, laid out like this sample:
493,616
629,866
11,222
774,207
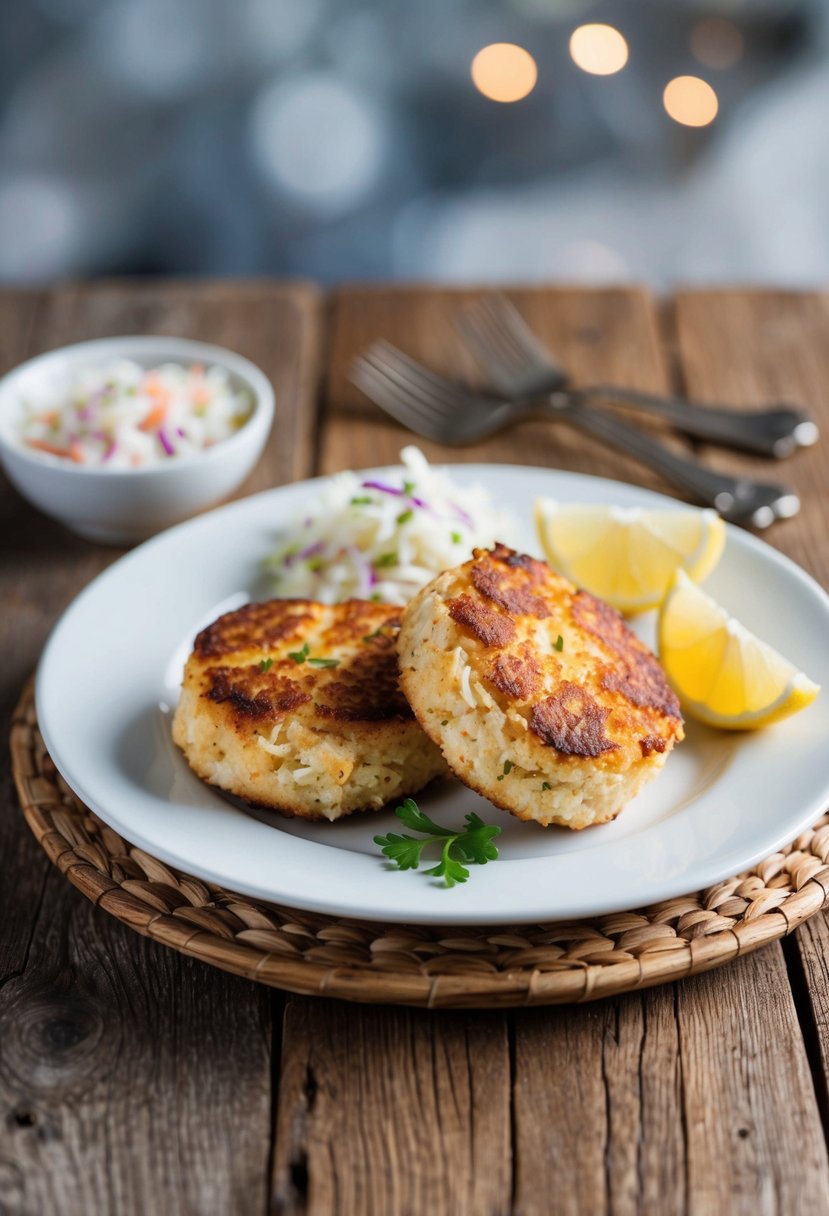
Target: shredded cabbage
385,539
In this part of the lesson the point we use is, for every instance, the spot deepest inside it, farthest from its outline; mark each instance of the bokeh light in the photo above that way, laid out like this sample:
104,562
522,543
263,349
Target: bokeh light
690,101
503,71
716,42
48,223
598,49
161,50
315,138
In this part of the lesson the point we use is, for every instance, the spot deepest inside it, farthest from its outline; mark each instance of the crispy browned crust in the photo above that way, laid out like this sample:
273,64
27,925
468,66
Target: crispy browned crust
604,690
229,656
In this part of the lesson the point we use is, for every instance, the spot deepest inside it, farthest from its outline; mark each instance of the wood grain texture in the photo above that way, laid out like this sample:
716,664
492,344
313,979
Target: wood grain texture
607,334
383,1111
740,1043
808,954
658,1103
132,1079
598,1119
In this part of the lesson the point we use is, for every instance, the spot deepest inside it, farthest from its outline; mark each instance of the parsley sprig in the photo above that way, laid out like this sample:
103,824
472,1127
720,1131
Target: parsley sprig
473,845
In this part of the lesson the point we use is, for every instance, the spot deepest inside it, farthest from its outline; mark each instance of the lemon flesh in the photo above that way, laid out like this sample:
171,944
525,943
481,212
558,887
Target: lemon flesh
723,674
627,555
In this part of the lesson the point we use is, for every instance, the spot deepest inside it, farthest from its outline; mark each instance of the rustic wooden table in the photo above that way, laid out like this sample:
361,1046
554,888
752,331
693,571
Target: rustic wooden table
133,1079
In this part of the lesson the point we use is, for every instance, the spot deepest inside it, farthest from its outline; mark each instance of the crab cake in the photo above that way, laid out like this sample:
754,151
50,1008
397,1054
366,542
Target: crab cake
539,695
296,705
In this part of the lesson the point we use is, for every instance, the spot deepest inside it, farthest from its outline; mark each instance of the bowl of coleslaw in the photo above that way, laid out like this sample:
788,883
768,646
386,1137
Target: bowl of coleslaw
119,438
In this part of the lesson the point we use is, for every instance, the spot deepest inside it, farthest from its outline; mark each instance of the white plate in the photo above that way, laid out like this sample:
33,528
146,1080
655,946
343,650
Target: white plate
109,678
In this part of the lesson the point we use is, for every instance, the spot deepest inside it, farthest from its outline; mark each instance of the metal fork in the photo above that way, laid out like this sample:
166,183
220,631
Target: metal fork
440,410
520,368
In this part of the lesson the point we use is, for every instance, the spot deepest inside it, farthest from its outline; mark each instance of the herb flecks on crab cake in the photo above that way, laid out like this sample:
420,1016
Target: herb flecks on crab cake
296,705
539,695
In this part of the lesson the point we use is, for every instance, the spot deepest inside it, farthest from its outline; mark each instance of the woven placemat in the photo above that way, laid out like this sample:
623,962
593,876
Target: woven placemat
436,967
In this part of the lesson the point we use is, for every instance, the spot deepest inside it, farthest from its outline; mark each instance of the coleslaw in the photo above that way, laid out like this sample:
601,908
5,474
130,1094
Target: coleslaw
124,416
384,539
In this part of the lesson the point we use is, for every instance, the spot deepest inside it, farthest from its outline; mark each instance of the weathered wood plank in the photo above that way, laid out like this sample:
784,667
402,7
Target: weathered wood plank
598,335
132,1079
756,348
598,1120
659,1102
741,1048
808,956
385,1111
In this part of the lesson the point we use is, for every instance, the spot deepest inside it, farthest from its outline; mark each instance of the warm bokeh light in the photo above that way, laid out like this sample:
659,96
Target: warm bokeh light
690,101
716,42
598,49
504,72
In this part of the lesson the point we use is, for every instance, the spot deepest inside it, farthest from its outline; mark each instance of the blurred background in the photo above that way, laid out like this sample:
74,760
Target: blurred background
586,140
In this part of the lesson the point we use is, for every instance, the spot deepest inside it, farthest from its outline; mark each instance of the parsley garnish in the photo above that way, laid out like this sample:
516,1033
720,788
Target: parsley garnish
545,785
301,656
408,488
362,500
471,846
559,643
405,516
371,636
507,765
266,664
455,538
387,559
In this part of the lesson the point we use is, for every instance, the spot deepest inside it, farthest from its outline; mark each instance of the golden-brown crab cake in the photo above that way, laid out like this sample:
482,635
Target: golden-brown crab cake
539,695
296,705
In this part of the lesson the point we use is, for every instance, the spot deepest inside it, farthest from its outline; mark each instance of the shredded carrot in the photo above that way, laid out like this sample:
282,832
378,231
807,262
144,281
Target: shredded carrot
40,445
50,418
75,453
197,369
155,417
153,385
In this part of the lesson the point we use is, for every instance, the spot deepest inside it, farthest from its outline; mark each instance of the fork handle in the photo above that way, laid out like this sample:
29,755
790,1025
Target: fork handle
771,432
739,500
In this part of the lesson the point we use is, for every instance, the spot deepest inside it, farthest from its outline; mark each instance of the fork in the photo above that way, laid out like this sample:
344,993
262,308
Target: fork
520,367
436,408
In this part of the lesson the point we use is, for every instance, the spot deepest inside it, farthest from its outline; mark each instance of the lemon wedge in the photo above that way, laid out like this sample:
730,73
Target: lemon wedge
723,674
628,555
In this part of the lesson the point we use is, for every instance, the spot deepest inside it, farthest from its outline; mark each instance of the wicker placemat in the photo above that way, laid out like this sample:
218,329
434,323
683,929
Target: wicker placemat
412,965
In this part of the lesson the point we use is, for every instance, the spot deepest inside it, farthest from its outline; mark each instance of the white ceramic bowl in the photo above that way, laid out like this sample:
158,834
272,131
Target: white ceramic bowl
122,506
